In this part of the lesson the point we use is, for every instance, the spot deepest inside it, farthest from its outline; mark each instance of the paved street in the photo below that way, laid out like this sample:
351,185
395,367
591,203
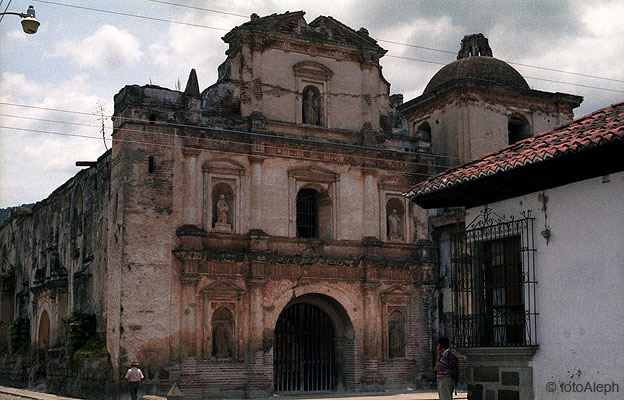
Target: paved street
7,393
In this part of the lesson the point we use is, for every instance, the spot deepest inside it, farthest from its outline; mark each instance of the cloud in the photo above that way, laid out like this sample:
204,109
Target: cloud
185,47
32,163
106,48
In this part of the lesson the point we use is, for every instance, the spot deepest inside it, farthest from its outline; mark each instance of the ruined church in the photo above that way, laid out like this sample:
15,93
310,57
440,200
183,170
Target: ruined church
253,238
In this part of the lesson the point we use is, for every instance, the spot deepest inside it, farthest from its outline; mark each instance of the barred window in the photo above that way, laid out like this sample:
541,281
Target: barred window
307,213
493,279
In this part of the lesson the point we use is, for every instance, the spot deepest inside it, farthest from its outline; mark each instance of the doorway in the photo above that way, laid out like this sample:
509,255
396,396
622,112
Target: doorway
304,358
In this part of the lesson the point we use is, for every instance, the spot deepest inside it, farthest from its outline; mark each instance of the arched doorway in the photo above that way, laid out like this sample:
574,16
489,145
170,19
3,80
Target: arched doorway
304,352
44,330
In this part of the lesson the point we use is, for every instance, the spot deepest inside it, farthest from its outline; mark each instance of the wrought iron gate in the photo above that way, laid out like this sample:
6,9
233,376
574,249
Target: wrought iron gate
304,350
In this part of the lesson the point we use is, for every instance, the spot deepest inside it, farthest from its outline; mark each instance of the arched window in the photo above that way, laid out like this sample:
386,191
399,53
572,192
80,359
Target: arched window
518,128
222,334
307,213
423,131
311,112
313,214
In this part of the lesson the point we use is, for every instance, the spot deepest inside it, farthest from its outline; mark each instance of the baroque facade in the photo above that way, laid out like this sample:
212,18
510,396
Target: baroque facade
253,237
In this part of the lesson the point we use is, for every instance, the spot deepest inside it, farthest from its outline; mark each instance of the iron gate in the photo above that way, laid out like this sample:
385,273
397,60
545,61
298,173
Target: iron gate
304,350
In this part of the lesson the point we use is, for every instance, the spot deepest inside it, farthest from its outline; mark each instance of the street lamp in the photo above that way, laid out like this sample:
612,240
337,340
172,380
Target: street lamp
29,22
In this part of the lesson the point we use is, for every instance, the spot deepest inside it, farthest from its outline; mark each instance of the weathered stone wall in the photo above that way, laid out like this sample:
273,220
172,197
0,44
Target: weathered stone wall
468,122
56,255
55,372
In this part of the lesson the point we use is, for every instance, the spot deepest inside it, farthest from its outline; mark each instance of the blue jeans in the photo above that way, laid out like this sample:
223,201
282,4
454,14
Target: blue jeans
134,388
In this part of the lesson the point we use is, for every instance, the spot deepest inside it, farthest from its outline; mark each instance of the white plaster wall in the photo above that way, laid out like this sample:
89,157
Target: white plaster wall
580,289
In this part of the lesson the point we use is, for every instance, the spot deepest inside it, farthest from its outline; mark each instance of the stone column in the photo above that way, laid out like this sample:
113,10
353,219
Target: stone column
370,210
255,196
372,379
192,201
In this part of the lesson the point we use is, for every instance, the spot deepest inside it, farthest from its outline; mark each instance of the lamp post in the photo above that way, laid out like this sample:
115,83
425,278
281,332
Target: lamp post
29,22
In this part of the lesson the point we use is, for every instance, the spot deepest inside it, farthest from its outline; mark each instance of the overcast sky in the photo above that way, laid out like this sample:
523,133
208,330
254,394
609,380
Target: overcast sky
81,58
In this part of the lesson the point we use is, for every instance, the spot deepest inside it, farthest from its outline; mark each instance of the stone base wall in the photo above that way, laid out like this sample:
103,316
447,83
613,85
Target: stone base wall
55,372
499,373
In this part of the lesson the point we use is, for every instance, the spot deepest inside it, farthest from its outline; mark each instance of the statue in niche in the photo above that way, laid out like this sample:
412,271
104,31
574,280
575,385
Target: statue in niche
395,342
222,345
222,210
393,225
311,108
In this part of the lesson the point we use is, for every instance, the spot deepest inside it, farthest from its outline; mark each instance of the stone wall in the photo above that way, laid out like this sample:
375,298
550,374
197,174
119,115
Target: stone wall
499,373
55,372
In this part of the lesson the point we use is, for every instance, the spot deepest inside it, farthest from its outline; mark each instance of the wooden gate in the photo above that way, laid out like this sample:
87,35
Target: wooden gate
304,350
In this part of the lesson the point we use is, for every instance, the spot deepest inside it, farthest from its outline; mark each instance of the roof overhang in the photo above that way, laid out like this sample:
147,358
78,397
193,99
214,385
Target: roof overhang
589,163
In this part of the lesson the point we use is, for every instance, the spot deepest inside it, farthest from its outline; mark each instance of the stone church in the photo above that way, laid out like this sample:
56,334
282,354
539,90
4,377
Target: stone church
253,238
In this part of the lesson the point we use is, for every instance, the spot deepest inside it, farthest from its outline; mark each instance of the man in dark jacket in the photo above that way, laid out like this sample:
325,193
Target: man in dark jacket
445,369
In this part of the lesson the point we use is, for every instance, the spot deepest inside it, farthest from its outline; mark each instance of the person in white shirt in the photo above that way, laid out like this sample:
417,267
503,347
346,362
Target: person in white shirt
133,379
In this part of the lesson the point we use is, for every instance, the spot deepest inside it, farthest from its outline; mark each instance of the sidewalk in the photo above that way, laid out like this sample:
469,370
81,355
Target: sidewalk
406,395
29,394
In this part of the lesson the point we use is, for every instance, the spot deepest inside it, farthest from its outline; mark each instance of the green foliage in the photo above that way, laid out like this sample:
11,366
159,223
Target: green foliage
94,347
19,333
80,329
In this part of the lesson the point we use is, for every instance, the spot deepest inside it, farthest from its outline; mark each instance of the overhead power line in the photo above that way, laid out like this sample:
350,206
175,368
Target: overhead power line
170,3
130,15
380,40
178,125
279,155
252,134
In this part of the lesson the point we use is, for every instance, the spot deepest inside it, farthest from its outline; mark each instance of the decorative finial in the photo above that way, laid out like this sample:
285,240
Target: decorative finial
192,85
474,45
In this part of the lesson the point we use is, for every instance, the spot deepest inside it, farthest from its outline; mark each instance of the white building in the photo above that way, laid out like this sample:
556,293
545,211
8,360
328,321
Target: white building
538,273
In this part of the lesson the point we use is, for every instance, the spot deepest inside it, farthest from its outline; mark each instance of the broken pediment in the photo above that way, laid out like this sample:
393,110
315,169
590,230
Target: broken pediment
288,22
336,31
321,29
394,182
396,295
224,166
222,289
312,70
314,174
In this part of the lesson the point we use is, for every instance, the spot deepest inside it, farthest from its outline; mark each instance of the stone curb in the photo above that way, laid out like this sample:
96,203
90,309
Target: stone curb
28,394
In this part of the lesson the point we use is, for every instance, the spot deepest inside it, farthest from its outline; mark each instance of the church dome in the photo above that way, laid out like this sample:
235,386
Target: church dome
475,63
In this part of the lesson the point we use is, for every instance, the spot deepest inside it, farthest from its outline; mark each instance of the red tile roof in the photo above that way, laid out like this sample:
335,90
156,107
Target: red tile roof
596,129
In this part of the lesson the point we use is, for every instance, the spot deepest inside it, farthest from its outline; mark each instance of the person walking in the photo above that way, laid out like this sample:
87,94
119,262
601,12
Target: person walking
133,379
445,369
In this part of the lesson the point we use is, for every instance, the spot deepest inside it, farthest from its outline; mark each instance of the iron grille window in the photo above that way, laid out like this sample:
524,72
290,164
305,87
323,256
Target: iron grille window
493,280
307,213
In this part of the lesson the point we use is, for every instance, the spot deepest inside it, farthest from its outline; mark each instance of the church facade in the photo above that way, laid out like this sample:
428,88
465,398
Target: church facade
253,237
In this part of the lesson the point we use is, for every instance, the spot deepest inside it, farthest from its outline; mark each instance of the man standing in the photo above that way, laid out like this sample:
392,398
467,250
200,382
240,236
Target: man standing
446,369
134,379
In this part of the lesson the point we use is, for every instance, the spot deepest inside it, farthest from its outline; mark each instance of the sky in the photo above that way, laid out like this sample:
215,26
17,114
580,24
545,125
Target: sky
79,59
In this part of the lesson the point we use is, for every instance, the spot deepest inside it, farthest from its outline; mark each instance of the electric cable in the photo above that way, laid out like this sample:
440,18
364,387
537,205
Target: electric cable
258,134
380,40
233,142
213,150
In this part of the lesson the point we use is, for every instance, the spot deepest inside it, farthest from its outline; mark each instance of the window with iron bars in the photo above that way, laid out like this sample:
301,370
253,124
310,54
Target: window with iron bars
307,213
493,282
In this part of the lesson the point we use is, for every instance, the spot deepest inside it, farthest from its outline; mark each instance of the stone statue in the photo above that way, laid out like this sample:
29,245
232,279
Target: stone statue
311,109
222,210
396,342
393,225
